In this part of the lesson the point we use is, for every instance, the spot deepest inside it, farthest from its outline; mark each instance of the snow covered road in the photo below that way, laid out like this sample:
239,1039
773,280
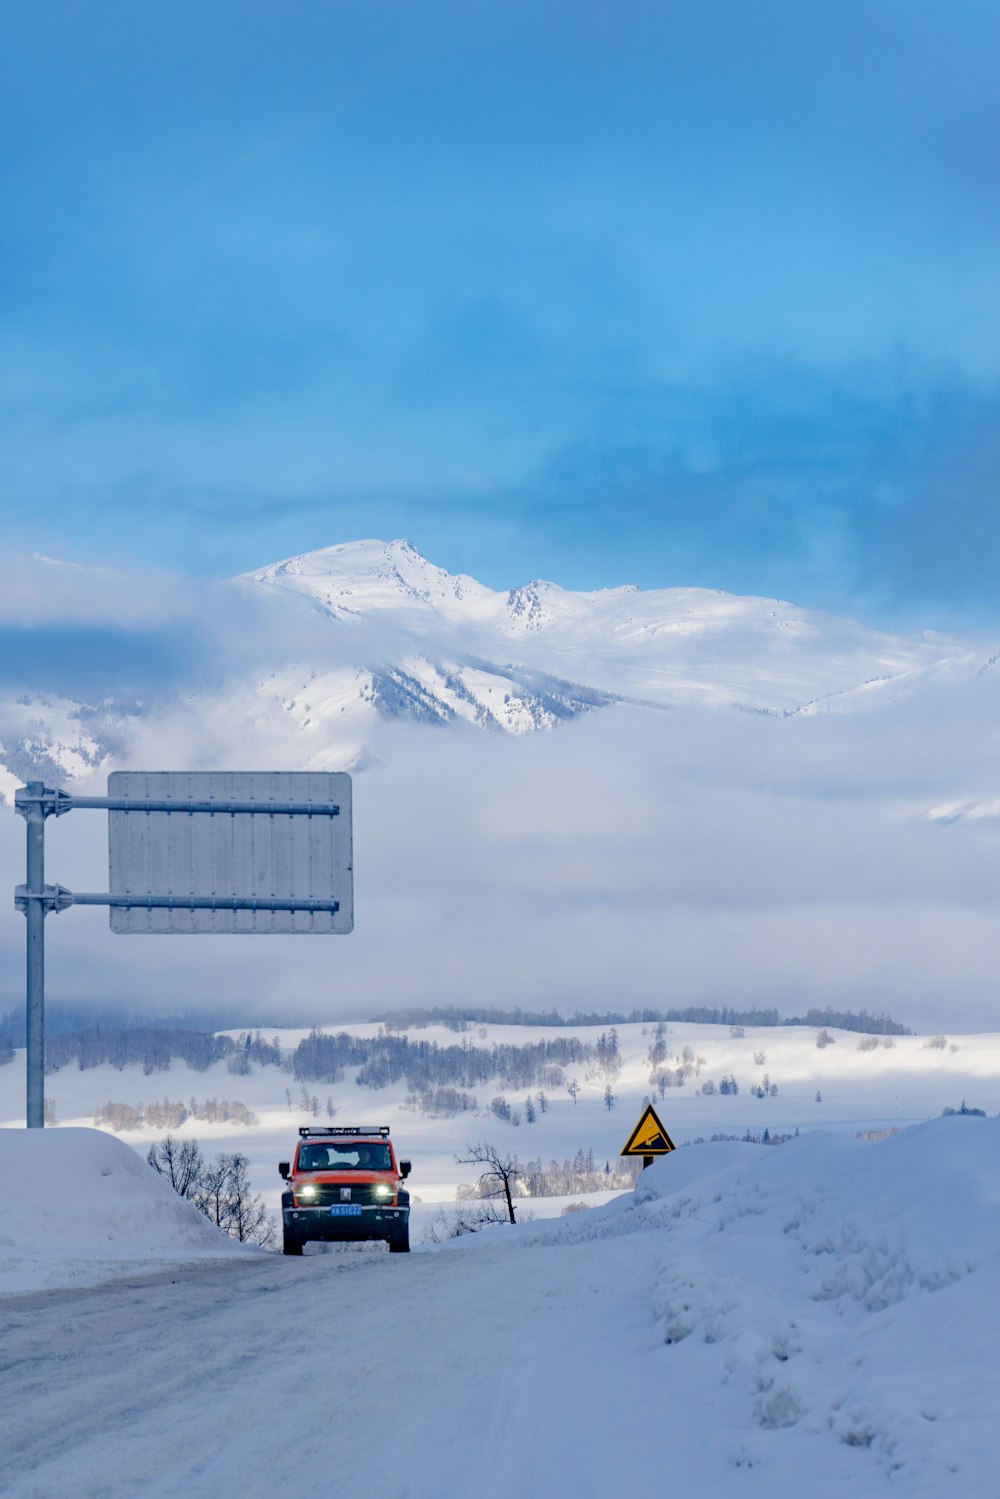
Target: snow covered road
476,1371
354,1374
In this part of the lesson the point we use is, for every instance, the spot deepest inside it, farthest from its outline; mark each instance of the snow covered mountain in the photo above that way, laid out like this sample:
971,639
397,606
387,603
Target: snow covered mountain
524,658
391,636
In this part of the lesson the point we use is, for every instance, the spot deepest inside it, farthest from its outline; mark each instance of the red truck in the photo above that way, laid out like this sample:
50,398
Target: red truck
345,1186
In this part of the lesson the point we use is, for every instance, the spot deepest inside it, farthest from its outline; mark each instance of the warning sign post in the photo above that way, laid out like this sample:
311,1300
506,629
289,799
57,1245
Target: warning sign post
649,1138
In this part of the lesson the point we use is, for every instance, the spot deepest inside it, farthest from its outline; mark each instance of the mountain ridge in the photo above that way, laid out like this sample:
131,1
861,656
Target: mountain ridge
392,636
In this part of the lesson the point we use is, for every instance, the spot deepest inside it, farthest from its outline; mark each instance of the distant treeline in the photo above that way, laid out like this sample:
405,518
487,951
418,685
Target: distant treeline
441,1103
62,1019
847,1020
57,1020
172,1114
461,1019
73,1037
415,1017
751,1137
154,1050
383,1060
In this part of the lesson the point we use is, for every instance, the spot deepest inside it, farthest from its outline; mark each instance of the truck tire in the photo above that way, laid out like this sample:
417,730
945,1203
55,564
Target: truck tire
290,1242
399,1242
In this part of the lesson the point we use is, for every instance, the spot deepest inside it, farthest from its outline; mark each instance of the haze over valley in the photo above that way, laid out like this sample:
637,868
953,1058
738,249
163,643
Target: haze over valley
670,797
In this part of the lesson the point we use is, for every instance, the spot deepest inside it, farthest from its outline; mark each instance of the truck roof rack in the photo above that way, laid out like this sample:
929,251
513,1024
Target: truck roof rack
343,1129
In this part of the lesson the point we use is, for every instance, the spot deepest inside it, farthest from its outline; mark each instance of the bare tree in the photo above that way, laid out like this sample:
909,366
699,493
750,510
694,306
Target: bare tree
573,1088
224,1195
180,1161
498,1175
248,1218
220,1190
210,1193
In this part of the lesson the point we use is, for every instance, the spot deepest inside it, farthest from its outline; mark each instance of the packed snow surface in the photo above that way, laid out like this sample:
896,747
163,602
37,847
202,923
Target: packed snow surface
813,1319
77,1204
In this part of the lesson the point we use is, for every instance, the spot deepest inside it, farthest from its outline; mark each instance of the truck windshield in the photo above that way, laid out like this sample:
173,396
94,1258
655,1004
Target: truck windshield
345,1157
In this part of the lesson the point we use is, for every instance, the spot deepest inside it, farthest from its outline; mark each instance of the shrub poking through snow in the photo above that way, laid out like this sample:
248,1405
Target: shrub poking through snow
220,1189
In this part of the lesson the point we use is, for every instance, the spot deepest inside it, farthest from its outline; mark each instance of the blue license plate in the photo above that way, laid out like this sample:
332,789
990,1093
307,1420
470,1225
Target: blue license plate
345,1210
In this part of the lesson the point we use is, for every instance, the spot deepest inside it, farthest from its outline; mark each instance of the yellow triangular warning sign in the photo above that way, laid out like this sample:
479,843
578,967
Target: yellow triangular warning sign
649,1136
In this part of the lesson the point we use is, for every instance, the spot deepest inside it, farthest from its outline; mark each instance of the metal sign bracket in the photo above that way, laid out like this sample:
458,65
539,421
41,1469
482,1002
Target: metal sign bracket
35,802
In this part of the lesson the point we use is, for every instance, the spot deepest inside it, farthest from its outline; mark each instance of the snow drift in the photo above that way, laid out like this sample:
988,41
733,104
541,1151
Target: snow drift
843,1293
76,1205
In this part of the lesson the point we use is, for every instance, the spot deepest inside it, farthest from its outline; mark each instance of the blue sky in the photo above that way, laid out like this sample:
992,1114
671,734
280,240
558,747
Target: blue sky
664,293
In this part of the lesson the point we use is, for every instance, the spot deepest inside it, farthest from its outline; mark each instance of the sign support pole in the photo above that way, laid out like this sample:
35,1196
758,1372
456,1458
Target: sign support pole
33,812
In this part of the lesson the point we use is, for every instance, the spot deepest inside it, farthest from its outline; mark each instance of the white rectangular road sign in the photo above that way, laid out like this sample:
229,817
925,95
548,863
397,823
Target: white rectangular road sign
248,855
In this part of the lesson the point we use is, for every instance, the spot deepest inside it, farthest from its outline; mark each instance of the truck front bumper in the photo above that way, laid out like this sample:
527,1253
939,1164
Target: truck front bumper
372,1222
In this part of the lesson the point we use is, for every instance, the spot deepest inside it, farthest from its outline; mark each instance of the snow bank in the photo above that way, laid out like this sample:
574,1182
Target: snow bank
845,1292
76,1205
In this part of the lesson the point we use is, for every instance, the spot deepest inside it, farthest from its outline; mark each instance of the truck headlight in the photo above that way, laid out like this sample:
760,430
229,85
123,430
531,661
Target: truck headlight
382,1191
308,1190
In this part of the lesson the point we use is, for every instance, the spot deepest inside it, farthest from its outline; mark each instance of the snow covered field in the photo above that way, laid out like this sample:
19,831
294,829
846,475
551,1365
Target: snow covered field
883,1088
900,1081
815,1319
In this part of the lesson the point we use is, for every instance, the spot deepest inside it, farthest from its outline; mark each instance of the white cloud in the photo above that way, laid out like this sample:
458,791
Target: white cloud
43,591
628,859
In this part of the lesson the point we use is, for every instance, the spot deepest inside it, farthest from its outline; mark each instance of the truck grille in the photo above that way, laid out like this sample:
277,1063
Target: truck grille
329,1193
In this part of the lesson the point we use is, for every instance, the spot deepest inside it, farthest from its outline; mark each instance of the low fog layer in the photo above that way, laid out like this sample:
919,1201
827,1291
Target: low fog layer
630,858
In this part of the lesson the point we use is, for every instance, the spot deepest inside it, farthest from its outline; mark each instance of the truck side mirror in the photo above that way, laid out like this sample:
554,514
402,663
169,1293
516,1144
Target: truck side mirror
404,1169
283,1169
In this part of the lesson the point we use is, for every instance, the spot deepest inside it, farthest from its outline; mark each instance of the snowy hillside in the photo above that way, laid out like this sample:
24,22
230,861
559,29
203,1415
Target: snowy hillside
338,641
